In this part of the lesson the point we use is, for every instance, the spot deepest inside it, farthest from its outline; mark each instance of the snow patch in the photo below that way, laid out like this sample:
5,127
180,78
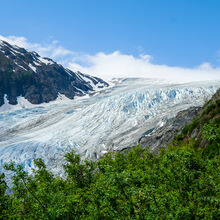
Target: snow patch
45,61
21,66
68,71
22,103
36,63
89,79
81,91
62,98
32,67
15,51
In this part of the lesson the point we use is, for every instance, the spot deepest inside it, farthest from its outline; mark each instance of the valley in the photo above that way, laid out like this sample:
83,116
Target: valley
110,120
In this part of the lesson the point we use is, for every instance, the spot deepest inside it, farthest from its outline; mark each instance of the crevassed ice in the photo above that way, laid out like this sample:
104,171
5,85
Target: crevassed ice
115,118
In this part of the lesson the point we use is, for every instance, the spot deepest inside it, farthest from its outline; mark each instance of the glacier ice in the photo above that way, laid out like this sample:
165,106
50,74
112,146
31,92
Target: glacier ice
114,118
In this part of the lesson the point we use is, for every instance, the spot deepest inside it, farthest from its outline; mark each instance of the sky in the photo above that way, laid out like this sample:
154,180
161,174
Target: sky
120,38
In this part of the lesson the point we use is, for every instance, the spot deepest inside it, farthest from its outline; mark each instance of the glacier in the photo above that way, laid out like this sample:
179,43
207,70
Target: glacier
110,120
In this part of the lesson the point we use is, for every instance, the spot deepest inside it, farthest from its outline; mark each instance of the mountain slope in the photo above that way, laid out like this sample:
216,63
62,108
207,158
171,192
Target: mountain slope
157,138
38,79
204,130
189,125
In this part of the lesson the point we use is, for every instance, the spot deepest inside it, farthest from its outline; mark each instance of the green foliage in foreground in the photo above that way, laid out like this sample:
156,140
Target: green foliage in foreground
181,183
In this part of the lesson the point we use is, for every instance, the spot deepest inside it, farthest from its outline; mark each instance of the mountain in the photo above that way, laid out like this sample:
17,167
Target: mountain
38,79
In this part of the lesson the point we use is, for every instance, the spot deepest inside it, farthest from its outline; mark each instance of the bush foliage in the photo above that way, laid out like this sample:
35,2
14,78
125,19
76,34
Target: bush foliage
182,182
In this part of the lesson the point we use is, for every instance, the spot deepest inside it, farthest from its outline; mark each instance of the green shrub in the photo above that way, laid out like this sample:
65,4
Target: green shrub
208,109
218,103
177,184
211,132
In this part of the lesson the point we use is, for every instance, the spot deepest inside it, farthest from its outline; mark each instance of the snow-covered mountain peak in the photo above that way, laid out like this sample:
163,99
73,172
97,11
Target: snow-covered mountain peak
39,79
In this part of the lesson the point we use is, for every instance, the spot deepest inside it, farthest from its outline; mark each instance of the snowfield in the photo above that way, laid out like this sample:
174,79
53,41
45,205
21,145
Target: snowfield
112,119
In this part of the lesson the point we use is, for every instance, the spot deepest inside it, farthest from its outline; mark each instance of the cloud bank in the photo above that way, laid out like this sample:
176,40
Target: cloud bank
52,50
117,64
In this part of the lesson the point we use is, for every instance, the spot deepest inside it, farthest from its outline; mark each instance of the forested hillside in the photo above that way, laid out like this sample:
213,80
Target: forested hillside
182,182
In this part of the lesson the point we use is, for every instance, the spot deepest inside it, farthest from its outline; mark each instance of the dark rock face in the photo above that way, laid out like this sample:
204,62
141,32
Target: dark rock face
38,79
161,137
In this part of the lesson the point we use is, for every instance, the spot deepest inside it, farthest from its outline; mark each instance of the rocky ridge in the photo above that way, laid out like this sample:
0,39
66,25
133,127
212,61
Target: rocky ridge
160,137
38,79
186,127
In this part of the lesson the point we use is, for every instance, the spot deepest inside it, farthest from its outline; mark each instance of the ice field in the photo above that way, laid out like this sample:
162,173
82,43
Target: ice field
111,119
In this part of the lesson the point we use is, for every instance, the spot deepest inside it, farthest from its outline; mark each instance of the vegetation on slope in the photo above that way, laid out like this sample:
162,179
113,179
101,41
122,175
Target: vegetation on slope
204,131
183,182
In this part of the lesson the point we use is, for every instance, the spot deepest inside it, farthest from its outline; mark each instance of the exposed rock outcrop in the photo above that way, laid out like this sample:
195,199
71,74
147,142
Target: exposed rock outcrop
24,73
162,136
186,126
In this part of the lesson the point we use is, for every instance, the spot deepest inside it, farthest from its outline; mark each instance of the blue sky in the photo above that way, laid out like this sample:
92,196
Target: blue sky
183,33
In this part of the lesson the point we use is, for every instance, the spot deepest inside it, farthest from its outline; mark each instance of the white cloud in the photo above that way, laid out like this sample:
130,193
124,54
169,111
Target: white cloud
117,64
51,50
